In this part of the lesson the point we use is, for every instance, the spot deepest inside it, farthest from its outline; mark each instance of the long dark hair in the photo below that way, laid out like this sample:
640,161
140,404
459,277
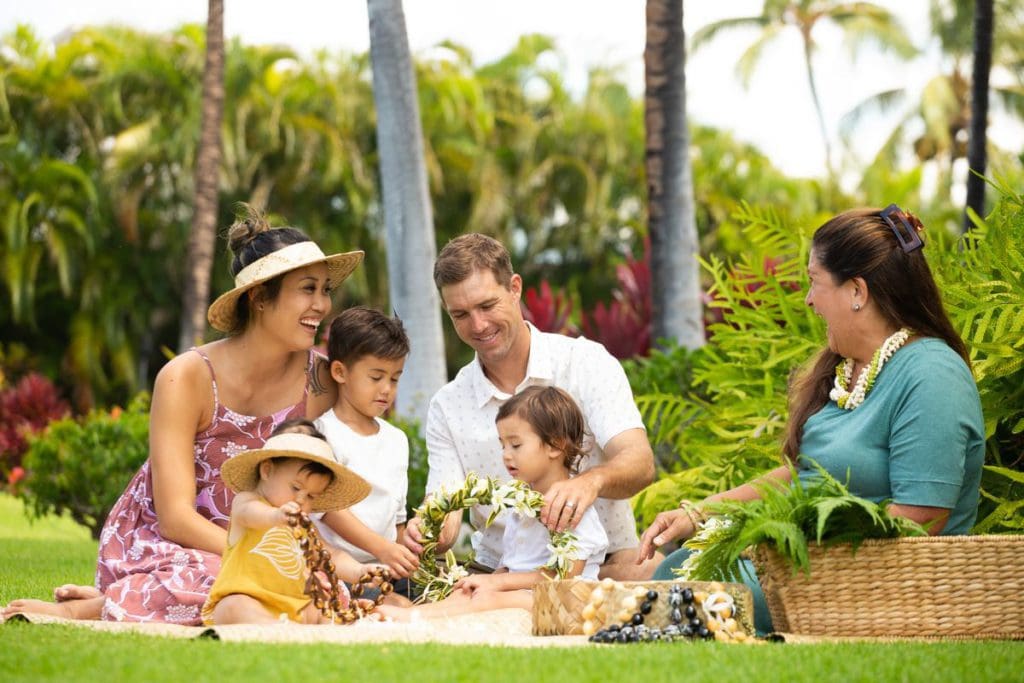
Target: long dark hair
860,243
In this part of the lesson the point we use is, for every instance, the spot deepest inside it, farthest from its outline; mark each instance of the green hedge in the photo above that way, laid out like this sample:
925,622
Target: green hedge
81,466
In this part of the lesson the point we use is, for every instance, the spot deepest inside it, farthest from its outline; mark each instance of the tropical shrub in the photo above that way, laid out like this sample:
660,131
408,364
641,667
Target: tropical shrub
983,285
624,325
549,311
82,466
25,408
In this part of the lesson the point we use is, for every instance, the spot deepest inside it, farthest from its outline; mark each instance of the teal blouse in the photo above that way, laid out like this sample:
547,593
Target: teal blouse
917,439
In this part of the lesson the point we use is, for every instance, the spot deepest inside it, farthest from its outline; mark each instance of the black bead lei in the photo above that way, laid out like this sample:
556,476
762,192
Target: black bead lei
686,625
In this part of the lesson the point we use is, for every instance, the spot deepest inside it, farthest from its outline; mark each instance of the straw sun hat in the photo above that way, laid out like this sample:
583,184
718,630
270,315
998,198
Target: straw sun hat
241,473
339,266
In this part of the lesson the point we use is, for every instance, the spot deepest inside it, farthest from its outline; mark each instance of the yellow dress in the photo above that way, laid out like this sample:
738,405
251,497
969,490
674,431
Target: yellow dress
267,565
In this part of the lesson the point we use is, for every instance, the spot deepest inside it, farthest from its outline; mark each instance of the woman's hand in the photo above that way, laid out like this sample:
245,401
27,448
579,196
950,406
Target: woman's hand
666,527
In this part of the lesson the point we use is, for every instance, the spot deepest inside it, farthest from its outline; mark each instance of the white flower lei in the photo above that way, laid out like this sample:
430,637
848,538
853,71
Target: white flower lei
437,582
847,399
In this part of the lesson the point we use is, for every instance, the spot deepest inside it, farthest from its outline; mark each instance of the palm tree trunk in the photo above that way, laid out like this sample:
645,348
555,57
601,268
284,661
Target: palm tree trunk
817,106
202,237
675,282
976,143
408,217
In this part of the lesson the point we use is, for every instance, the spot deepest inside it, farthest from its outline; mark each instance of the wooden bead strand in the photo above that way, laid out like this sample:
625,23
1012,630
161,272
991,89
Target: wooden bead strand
330,601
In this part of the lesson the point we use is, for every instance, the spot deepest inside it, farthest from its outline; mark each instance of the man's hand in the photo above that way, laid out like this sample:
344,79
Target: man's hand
566,501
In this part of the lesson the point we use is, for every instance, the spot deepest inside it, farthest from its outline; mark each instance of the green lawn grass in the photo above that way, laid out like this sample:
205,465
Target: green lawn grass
34,557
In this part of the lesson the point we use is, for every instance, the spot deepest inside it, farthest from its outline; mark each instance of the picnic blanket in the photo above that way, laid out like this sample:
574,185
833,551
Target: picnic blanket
505,628
500,628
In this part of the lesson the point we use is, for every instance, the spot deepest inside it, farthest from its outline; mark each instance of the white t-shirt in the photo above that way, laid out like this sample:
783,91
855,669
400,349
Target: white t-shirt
462,437
526,540
382,459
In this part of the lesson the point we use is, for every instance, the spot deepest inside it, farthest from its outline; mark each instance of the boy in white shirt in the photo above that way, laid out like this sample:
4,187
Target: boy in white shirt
367,352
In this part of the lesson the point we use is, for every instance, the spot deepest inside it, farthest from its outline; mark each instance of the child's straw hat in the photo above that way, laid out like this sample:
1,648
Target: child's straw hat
221,313
241,473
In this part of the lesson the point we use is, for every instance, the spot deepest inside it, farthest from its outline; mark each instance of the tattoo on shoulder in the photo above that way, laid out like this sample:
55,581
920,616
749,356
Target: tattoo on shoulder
316,385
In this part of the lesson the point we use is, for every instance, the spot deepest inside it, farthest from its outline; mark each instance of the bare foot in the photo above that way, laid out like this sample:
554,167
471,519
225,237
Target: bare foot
88,608
54,609
71,591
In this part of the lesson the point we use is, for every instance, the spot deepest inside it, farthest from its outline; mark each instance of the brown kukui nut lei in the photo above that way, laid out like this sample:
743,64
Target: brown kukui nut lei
330,601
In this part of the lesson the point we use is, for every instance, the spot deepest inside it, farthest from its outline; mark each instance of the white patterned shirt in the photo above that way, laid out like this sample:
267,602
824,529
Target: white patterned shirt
462,436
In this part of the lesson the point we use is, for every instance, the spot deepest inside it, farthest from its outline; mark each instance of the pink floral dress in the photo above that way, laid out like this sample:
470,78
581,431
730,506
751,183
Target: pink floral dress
145,577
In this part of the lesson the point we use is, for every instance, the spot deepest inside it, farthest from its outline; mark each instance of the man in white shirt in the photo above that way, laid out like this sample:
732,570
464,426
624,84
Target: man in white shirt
481,294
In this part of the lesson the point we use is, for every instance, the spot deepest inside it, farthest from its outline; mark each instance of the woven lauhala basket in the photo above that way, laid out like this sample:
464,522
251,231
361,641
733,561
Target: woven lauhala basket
967,587
558,605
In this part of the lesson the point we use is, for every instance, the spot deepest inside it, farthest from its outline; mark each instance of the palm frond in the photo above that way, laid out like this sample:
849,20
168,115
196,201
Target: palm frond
707,33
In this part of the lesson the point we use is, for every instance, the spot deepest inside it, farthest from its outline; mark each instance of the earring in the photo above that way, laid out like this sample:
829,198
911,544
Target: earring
261,307
856,307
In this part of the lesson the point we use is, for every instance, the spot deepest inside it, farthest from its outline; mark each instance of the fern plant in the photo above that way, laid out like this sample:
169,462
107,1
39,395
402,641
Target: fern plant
726,422
787,517
983,285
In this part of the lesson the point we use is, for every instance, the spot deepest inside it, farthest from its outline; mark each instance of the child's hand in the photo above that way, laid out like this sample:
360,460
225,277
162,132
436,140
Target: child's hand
400,560
474,583
289,508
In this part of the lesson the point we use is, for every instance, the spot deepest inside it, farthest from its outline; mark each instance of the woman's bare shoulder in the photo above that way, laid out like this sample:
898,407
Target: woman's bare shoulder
185,373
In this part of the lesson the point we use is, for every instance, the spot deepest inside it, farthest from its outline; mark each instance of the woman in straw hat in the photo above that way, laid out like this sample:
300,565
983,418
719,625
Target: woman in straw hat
161,546
263,577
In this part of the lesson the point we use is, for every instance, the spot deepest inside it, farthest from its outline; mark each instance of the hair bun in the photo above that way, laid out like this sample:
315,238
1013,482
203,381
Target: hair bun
243,231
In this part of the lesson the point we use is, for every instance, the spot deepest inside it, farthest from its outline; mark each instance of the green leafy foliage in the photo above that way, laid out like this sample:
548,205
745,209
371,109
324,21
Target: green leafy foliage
983,286
82,466
97,150
787,517
727,413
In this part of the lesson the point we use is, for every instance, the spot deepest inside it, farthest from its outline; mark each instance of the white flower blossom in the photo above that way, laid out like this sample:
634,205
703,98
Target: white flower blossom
479,488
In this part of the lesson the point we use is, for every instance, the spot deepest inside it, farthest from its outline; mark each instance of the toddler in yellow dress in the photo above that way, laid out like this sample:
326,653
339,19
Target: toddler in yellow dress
263,573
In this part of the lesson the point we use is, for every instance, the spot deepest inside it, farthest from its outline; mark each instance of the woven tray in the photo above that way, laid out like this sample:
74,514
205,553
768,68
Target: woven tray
558,605
933,587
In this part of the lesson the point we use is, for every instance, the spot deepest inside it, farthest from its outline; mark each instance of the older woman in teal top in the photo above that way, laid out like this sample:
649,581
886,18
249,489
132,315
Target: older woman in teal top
890,403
